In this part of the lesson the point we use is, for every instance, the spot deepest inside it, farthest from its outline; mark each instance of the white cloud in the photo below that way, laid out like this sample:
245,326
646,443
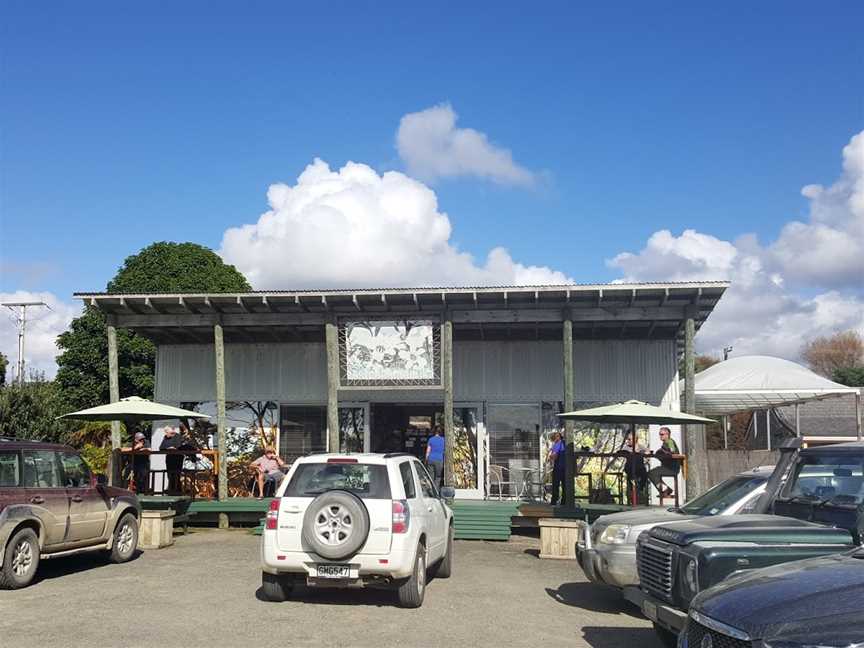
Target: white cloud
43,327
828,251
356,228
433,147
807,283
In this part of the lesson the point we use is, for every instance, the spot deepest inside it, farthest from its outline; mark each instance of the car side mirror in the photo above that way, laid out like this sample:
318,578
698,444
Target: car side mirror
448,493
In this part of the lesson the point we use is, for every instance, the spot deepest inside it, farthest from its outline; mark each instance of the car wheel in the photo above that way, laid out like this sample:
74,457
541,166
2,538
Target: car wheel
336,525
21,560
125,539
413,589
444,568
276,588
667,638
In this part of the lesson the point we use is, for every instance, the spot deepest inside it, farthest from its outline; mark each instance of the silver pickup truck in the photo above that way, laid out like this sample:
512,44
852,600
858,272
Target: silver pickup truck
606,550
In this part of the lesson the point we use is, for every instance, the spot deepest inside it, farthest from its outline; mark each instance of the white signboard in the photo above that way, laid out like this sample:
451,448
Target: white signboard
388,352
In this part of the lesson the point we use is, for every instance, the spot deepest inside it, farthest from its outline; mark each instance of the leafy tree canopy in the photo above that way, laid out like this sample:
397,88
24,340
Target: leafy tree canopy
82,374
30,410
4,362
851,376
825,355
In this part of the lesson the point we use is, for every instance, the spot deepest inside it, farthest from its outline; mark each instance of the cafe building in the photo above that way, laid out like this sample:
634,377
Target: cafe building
377,370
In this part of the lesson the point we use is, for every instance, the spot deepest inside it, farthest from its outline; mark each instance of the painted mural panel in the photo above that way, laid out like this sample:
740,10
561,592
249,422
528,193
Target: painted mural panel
389,353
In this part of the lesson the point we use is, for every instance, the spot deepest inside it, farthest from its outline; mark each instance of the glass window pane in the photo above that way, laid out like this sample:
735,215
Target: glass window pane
75,472
40,469
367,481
352,425
465,447
10,470
514,445
407,480
302,431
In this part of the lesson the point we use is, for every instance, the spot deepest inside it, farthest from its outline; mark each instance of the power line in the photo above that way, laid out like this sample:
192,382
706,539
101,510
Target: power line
19,309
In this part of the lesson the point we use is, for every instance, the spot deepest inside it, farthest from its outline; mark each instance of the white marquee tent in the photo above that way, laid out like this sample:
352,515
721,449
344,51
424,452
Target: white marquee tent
762,382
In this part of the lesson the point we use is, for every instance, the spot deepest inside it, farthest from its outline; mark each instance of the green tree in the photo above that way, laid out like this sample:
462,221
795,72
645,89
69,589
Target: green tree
4,362
851,376
30,410
82,374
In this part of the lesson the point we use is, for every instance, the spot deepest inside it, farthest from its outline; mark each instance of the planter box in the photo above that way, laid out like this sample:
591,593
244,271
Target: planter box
157,529
558,538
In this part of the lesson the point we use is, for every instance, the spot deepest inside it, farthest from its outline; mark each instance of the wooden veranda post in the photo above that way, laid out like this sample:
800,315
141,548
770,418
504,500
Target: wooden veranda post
570,458
694,435
114,396
331,339
222,442
447,383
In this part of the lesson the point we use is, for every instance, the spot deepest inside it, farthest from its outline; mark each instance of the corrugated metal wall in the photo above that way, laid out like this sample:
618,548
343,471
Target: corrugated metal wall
606,370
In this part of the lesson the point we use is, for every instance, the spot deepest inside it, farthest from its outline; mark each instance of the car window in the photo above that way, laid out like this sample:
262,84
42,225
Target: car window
363,480
10,469
722,496
40,469
75,471
831,478
426,485
407,480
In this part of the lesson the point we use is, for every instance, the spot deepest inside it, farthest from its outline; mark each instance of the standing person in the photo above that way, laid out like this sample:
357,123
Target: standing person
268,468
668,467
556,457
140,463
435,456
173,440
634,466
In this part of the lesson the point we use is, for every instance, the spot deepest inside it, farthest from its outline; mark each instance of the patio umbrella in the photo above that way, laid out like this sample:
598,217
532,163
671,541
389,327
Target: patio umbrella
632,412
133,410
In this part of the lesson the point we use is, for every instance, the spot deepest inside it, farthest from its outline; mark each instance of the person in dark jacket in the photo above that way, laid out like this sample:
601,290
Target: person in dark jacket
173,462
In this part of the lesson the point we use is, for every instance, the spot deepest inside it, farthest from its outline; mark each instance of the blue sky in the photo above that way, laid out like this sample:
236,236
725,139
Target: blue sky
123,125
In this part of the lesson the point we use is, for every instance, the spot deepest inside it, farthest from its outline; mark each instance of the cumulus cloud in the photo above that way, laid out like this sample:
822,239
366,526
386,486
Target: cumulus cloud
356,228
433,147
807,283
828,251
43,327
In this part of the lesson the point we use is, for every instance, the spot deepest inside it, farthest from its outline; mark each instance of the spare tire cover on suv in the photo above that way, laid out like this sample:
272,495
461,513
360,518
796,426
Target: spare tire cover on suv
336,525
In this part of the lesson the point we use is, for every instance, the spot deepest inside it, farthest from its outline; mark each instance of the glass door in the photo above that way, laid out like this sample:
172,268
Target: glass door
354,427
468,450
515,462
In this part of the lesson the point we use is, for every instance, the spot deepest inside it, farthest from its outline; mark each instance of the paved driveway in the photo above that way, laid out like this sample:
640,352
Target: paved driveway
203,591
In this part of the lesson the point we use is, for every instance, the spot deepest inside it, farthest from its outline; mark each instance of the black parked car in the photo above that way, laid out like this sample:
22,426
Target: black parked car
816,602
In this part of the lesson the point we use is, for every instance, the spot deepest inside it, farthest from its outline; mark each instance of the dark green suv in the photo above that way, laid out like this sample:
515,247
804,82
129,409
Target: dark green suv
813,506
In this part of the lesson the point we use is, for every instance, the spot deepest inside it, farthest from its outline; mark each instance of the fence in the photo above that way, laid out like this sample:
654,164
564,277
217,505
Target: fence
723,464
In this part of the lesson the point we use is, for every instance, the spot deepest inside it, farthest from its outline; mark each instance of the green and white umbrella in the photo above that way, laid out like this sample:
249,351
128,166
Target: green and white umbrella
632,412
133,410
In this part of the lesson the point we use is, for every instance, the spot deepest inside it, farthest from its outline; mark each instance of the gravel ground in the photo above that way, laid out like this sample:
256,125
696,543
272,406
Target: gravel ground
203,591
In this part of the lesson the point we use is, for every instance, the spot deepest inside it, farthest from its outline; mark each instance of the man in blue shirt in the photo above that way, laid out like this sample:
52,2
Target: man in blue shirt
435,456
556,458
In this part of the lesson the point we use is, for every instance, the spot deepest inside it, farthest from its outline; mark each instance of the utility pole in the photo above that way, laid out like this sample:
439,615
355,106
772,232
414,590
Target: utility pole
726,352
19,310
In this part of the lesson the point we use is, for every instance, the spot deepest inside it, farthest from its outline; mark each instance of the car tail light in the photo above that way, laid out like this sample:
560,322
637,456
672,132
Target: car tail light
272,514
401,516
341,460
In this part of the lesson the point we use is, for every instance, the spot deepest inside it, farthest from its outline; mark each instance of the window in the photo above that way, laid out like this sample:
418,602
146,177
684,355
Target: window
426,485
366,481
75,471
10,469
723,495
407,480
40,469
302,431
828,478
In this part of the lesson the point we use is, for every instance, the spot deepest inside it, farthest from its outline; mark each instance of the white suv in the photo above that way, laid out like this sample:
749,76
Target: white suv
348,520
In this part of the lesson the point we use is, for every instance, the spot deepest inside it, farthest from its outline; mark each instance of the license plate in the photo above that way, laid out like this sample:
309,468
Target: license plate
333,571
649,609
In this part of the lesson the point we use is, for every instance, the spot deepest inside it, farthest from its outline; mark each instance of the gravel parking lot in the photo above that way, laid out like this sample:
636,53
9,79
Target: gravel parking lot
203,592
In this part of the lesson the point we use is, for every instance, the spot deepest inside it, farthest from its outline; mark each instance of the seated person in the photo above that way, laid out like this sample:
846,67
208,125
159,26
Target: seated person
268,468
669,466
